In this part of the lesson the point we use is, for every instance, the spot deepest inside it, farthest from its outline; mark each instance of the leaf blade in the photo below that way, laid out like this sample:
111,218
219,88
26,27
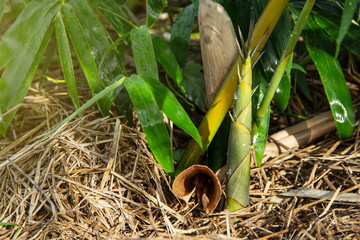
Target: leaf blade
167,59
332,78
84,54
13,41
346,18
65,59
153,10
14,83
181,32
151,121
168,103
144,54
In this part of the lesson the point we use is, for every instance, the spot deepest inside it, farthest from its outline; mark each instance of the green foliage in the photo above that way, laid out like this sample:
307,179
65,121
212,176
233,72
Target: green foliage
167,59
180,33
260,127
194,83
332,77
151,121
350,7
65,59
153,10
144,54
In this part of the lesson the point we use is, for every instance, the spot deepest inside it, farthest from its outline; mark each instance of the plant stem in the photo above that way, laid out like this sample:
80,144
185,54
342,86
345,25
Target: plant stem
276,78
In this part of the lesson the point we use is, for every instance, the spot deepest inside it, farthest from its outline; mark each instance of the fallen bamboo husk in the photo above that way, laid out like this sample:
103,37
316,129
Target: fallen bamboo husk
300,134
203,182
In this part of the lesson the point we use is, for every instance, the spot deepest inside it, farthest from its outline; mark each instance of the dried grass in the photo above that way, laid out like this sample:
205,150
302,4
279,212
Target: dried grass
95,178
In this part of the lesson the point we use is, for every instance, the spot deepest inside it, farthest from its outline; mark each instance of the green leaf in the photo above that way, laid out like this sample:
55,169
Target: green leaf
151,121
153,10
14,83
295,66
194,83
346,18
110,98
332,77
217,150
181,32
260,128
283,91
331,22
114,13
65,59
98,40
84,54
168,103
166,58
23,29
300,80
143,51
233,8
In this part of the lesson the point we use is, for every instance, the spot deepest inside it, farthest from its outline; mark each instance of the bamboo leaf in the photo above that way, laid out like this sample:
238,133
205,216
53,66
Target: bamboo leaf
331,22
84,54
332,77
283,91
99,42
260,128
153,10
300,80
151,121
14,83
346,18
168,103
217,150
114,13
26,24
194,83
65,59
166,58
144,54
181,32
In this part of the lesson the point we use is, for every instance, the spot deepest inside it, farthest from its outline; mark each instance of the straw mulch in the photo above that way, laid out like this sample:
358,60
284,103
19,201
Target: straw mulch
95,178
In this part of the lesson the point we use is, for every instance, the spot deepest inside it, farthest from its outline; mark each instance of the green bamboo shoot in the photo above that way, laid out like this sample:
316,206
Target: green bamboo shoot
237,190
